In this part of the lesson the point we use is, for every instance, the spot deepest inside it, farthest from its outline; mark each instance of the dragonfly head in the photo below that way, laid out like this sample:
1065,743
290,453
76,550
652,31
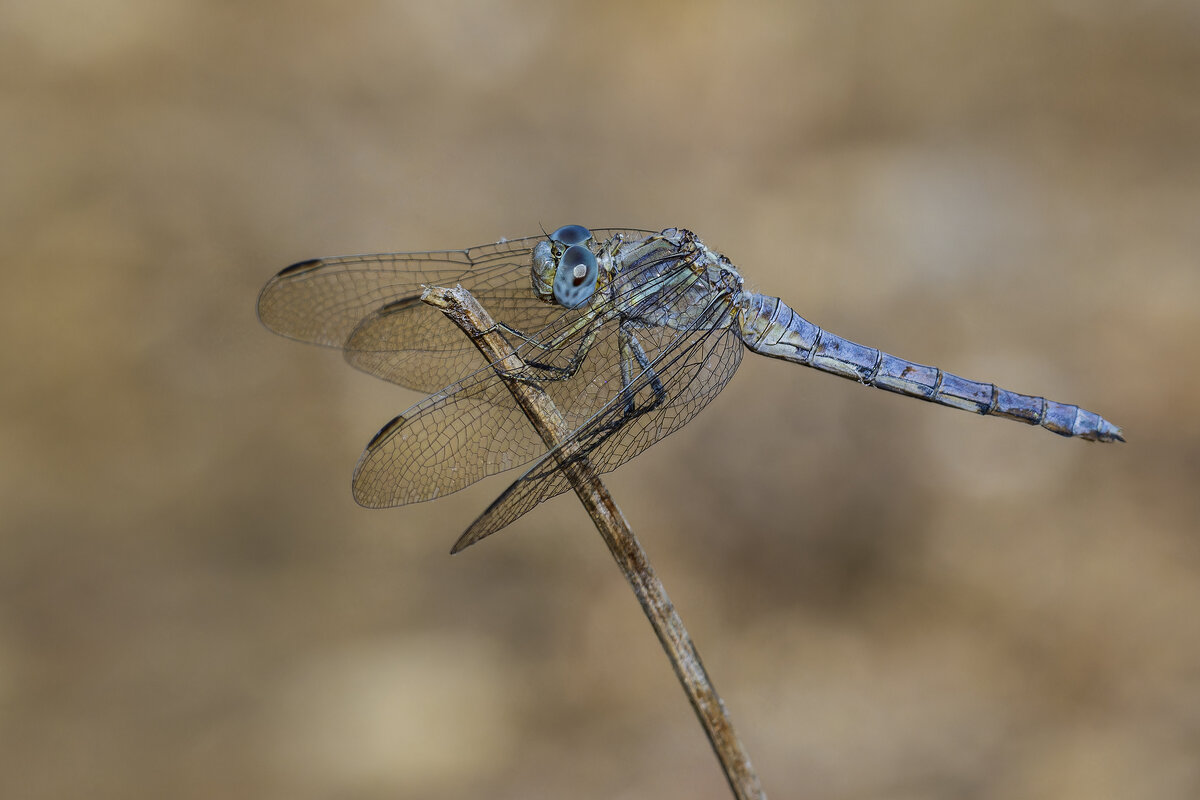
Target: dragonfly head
565,269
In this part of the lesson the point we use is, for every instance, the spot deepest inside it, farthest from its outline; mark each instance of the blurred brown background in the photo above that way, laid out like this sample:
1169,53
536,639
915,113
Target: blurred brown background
896,600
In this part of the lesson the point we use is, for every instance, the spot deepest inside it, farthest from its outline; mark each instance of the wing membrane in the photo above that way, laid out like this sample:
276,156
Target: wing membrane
445,443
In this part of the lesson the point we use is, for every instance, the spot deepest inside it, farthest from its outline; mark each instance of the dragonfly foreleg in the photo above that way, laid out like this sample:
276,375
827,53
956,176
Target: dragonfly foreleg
554,372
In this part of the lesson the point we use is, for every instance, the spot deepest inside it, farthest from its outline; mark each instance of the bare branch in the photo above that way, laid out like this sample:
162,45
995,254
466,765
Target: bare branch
462,308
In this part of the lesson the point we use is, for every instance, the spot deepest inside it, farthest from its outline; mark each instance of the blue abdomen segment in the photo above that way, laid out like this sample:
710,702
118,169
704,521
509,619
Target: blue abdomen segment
769,326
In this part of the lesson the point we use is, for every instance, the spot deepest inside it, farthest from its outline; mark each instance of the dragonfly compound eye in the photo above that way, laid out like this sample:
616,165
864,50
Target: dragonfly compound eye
569,235
575,279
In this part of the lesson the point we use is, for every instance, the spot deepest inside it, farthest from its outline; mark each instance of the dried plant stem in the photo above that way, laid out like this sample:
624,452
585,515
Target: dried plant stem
464,310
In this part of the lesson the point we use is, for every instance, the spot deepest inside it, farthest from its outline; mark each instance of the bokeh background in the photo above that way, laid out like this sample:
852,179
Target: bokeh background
896,600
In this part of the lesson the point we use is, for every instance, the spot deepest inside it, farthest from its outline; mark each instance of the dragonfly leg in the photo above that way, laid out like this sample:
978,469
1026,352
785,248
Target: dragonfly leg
632,353
553,372
634,364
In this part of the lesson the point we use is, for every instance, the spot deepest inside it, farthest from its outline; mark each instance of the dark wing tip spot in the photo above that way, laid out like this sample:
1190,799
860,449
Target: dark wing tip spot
401,304
299,268
463,543
386,430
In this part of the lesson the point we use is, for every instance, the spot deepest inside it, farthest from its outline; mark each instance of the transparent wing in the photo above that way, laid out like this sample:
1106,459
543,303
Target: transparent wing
691,370
474,428
467,431
369,305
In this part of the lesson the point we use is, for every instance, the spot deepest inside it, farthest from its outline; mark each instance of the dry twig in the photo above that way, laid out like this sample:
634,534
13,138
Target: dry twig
464,310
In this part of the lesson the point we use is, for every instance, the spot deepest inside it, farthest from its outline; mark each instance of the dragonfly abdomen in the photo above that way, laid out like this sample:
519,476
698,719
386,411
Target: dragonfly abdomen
769,326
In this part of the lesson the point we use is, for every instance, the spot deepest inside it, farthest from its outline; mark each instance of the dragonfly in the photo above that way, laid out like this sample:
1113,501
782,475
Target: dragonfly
629,332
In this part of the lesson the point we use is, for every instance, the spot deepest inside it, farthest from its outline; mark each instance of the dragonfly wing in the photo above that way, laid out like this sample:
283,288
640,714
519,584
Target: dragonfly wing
472,427
691,371
370,306
323,300
411,343
448,441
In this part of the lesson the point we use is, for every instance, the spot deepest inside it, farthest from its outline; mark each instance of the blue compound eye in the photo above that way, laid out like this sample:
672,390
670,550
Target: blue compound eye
575,279
571,235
